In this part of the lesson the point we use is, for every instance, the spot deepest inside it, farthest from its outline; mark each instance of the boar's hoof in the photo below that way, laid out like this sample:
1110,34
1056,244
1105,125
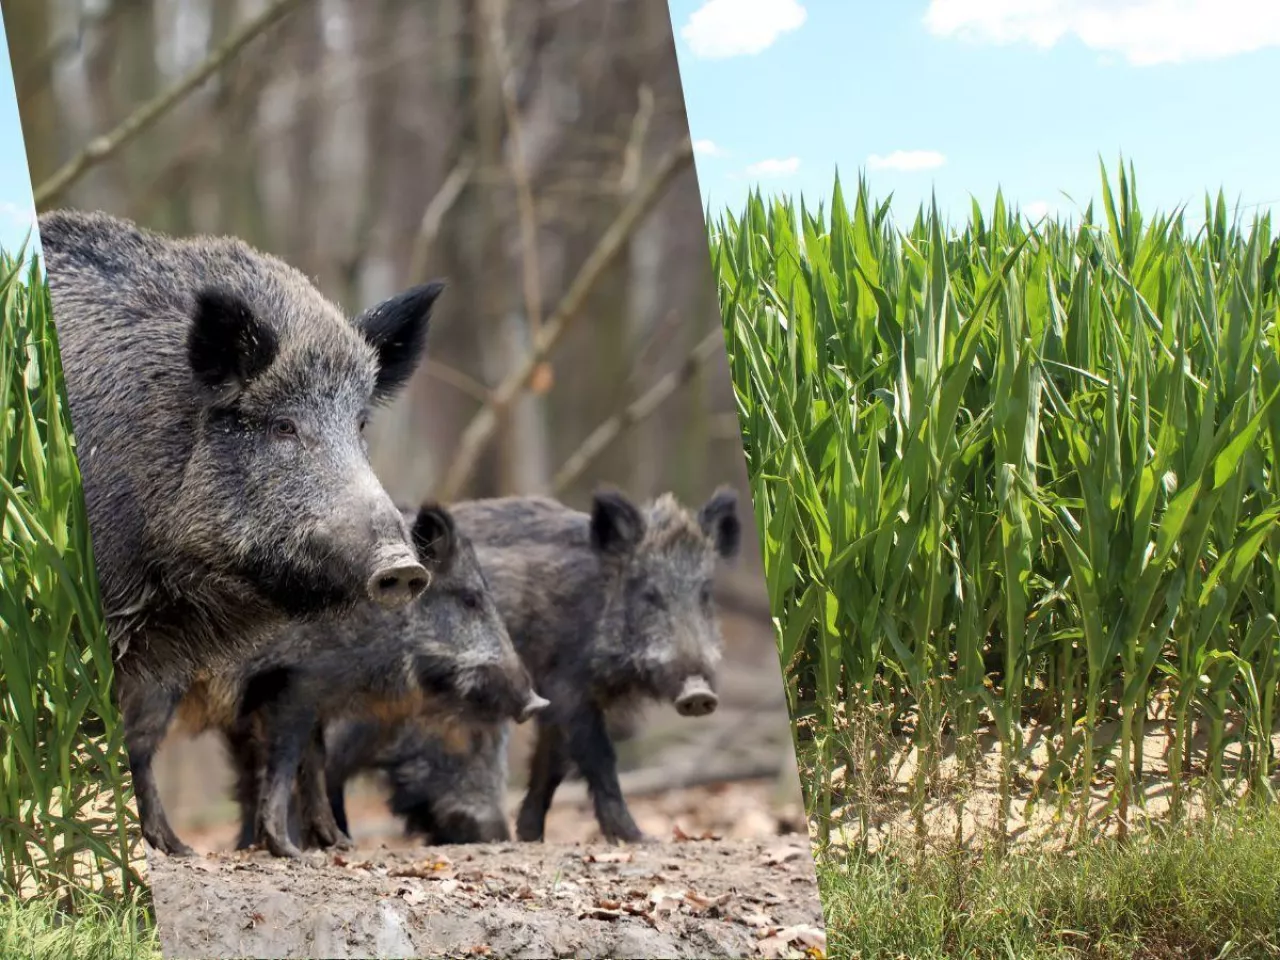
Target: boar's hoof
177,849
532,707
696,699
168,844
283,847
397,585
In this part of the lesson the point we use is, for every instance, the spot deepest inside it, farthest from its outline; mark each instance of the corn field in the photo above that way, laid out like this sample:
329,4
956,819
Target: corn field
1016,474
64,825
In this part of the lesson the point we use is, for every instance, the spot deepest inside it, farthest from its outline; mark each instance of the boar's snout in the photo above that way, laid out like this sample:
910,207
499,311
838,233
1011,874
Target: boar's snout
397,584
532,707
696,698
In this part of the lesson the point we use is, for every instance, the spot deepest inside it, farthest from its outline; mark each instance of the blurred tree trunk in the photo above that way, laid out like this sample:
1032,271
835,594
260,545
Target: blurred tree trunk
236,102
136,79
30,30
305,51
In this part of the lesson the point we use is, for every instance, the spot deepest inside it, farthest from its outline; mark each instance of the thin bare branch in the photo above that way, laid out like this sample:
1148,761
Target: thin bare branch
531,273
100,148
635,412
456,378
433,216
614,240
635,142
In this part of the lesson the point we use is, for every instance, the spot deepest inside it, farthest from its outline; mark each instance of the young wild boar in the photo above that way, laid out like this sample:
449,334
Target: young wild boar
446,656
448,788
218,402
606,609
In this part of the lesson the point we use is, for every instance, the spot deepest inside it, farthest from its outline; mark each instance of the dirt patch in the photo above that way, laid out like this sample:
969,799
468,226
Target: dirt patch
696,898
962,803
749,891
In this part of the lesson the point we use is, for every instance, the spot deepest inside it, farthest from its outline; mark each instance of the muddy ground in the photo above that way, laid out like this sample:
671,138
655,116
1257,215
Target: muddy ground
730,878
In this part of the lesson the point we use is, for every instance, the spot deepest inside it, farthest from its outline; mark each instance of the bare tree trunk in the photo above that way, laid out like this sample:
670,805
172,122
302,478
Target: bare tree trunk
30,31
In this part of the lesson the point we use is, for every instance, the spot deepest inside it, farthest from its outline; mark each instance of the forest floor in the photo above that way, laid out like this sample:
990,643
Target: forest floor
730,876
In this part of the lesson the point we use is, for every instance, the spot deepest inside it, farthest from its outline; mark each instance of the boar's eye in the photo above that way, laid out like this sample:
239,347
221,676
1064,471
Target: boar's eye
652,596
363,423
282,428
469,599
705,594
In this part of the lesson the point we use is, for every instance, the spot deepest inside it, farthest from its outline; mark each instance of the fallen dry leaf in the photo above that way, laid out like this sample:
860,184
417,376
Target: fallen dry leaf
811,941
411,896
600,913
775,857
436,868
701,903
618,856
682,837
665,899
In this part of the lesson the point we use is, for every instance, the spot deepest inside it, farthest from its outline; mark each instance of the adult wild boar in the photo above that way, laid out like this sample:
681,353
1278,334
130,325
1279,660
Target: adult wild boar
218,401
607,609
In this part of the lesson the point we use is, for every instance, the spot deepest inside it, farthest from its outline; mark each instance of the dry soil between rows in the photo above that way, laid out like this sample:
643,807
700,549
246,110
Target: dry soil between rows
675,899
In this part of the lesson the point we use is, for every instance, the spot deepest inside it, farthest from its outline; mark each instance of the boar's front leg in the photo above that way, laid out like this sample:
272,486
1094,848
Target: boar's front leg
592,751
288,729
319,825
549,765
147,713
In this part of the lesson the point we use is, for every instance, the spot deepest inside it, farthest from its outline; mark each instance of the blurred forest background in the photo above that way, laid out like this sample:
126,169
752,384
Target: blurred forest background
533,154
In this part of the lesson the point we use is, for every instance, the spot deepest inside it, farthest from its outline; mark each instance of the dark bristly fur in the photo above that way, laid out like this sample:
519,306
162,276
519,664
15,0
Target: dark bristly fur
607,609
447,657
217,400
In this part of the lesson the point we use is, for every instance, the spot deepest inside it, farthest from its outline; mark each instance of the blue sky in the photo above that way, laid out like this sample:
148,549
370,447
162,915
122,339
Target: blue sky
962,96
16,206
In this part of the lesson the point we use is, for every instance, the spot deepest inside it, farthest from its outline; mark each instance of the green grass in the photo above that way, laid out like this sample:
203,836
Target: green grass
1010,474
1194,892
98,930
66,830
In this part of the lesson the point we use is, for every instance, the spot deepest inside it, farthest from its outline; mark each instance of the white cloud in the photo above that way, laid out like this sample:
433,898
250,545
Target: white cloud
907,160
1144,32
19,215
707,148
774,168
1036,209
740,28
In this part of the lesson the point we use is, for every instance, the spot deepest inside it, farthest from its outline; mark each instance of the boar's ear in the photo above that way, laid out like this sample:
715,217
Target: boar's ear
617,526
719,521
227,346
435,537
397,329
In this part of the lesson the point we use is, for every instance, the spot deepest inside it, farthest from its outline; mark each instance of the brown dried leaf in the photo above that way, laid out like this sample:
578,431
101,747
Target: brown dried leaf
783,855
600,913
612,856
681,836
809,939
700,902
435,868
